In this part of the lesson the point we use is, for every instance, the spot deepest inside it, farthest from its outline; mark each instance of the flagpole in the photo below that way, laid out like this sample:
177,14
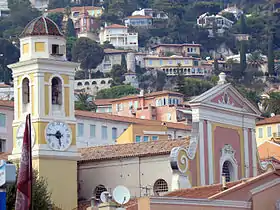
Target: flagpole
30,160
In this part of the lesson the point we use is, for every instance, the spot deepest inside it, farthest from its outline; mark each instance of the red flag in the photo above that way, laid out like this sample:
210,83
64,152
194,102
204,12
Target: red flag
24,180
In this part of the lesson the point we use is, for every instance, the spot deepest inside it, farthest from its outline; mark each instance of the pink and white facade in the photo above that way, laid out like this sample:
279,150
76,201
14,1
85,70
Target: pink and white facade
222,142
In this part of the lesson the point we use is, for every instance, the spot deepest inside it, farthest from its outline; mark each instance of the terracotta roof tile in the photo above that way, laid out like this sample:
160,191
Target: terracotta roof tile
100,102
200,192
158,93
116,26
270,120
143,149
139,16
131,120
269,149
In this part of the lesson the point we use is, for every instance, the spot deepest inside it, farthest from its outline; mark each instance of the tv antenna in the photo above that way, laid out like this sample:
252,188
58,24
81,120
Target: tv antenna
121,195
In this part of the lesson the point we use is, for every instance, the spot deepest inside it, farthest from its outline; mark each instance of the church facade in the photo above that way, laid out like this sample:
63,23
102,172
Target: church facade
222,141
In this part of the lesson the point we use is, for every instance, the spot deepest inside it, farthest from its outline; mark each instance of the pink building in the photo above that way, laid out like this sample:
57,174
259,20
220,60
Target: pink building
86,23
163,105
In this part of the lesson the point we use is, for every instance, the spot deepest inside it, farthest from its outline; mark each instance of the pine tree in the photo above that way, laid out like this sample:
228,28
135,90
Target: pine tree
180,80
70,29
270,57
123,63
243,48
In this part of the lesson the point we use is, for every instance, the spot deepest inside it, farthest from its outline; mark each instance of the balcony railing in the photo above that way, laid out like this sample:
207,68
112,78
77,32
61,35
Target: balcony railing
276,135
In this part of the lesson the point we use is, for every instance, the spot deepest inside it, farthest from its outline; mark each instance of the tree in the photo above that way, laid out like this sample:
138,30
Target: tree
117,74
216,67
84,102
243,50
180,80
195,87
70,29
8,54
87,52
41,197
79,75
116,92
70,41
57,17
58,4
255,61
270,57
229,16
123,63
107,45
271,104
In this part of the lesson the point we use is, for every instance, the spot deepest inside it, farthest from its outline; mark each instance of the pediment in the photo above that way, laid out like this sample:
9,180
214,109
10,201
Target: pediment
225,96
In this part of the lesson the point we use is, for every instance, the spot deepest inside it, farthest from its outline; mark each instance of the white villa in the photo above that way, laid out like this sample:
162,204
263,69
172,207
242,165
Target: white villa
119,36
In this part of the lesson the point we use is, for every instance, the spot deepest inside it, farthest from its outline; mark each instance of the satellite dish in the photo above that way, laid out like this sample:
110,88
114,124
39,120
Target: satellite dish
104,196
121,194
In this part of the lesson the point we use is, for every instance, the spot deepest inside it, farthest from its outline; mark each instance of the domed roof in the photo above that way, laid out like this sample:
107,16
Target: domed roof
41,26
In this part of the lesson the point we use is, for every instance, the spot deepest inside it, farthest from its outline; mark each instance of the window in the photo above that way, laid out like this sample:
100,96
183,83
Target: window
269,132
98,190
169,101
227,171
2,120
80,129
170,61
104,132
160,62
168,116
154,138
160,186
114,133
260,132
130,105
56,91
55,49
92,131
25,48
25,91
39,46
120,107
137,139
2,145
135,104
195,63
150,62
145,138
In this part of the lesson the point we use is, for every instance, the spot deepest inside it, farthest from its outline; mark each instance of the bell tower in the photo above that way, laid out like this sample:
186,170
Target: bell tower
44,87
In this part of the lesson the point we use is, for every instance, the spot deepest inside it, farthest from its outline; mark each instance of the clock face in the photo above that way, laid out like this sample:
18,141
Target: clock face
58,136
20,134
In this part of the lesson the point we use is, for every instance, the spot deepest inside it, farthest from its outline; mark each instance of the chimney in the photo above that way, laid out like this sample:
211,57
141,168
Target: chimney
224,186
222,78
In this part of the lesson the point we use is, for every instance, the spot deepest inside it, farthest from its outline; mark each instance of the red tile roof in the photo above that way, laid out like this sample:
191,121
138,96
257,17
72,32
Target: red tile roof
158,93
200,192
131,120
270,120
139,16
74,9
100,102
116,26
269,149
143,149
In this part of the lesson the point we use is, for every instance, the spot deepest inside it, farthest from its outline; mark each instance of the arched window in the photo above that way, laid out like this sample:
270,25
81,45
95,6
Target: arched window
56,91
80,84
98,190
160,187
228,171
93,83
87,83
25,91
103,82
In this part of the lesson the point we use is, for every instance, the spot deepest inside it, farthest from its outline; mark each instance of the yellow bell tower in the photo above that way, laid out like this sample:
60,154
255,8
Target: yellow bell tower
44,87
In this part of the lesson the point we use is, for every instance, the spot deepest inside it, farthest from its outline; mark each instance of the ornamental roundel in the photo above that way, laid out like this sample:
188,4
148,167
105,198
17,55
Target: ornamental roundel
179,159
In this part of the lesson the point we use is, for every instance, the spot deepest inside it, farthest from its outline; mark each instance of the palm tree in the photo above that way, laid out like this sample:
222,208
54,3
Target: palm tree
85,102
271,103
255,61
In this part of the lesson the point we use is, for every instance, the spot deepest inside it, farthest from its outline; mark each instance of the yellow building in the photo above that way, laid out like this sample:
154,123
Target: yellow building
171,65
267,129
143,133
44,87
178,49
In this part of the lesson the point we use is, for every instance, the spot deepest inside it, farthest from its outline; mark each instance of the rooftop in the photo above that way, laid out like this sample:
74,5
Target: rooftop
143,149
270,120
112,51
41,26
74,9
132,120
116,26
139,17
200,192
159,93
100,102
177,45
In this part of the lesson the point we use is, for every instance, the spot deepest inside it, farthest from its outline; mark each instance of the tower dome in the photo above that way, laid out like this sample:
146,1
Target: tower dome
41,26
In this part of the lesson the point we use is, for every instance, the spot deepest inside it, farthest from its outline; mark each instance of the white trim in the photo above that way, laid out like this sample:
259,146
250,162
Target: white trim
228,155
155,132
201,154
265,186
246,152
254,152
210,153
200,202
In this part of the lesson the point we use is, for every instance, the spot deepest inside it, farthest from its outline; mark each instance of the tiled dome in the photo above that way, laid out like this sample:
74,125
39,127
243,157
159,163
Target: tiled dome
41,26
